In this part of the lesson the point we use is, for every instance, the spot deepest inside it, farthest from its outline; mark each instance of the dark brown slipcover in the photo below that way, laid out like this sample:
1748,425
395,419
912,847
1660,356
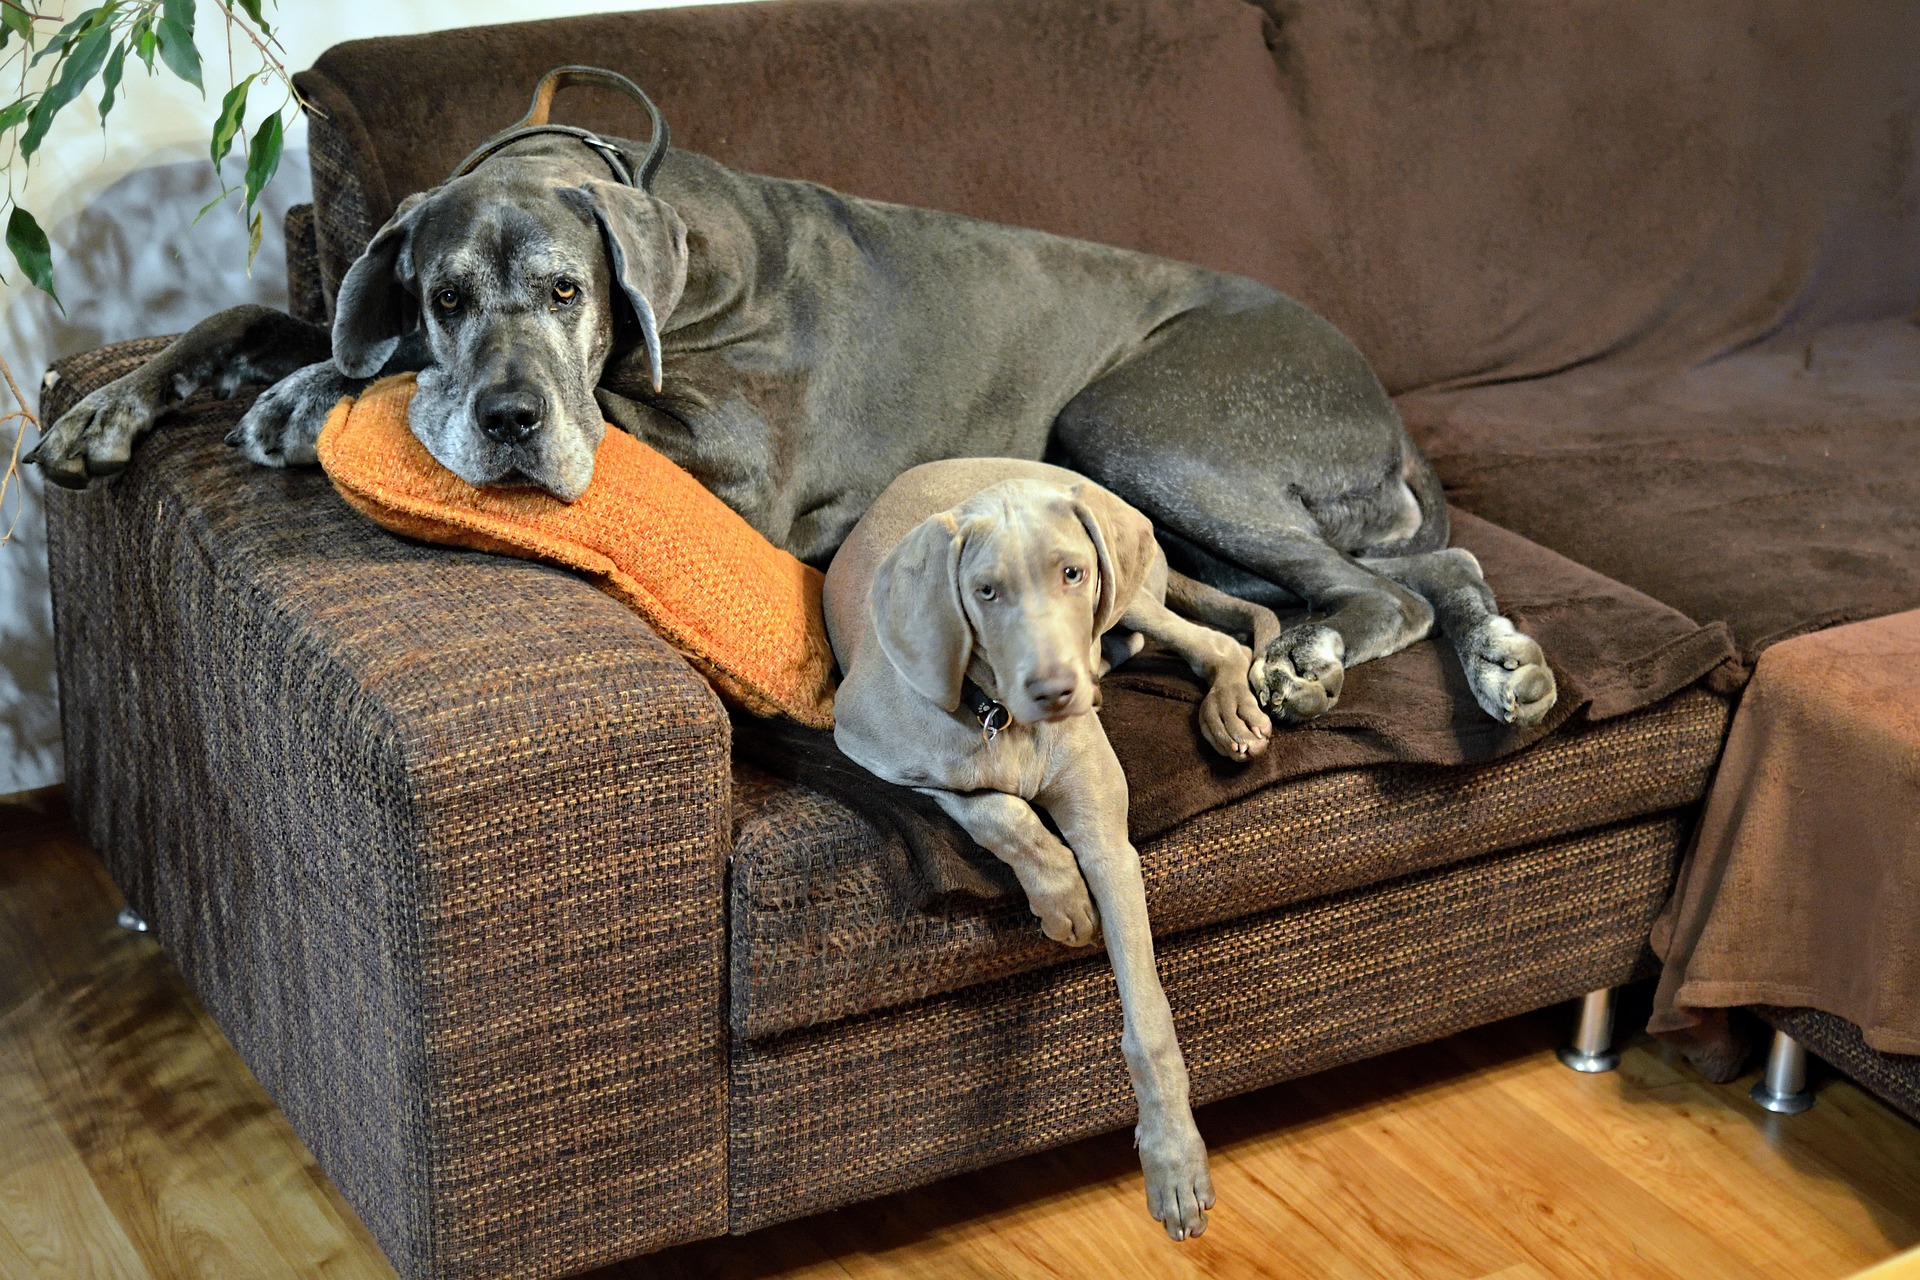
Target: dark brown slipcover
1777,490
1802,887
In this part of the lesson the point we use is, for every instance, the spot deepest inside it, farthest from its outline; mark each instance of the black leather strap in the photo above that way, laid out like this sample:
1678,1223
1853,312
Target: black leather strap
993,716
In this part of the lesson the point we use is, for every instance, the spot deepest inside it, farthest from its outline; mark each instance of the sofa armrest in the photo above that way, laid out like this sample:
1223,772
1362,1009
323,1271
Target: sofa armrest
439,838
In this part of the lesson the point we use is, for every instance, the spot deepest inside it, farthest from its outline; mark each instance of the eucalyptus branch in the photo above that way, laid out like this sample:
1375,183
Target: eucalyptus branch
25,416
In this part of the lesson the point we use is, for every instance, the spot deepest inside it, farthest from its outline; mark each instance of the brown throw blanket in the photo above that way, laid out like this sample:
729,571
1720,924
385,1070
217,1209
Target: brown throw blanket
1613,651
1803,885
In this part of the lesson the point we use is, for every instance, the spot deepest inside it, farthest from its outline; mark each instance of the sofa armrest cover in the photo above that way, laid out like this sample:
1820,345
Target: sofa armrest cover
439,838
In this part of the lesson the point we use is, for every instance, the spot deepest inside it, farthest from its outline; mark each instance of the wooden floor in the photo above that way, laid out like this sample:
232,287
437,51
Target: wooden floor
134,1143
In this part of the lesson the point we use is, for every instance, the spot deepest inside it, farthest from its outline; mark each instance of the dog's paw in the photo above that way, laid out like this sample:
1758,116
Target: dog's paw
1058,897
1508,673
282,427
1232,722
95,438
1179,1186
1304,674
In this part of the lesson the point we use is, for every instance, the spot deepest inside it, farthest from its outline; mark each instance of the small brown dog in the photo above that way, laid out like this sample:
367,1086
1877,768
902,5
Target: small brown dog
973,610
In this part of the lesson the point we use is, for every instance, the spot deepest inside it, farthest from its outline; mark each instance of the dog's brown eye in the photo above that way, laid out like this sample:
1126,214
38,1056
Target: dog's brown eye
1073,574
564,290
447,299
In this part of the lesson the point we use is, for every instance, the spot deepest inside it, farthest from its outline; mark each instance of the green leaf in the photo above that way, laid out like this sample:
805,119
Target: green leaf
14,113
263,157
75,70
176,48
233,109
208,207
179,12
31,251
87,20
253,239
252,9
14,17
144,43
110,81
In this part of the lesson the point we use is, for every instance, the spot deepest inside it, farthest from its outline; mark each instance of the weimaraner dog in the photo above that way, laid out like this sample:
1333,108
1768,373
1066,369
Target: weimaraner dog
796,349
1006,587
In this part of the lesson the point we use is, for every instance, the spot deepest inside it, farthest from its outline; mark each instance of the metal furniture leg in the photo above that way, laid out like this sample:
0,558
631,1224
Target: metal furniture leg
1784,1087
1592,1047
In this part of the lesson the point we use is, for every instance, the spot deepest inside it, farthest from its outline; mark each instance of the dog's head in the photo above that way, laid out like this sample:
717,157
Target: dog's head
1016,586
518,276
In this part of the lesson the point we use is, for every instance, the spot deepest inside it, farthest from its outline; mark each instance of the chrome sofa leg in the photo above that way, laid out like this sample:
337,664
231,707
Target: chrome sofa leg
1784,1087
1592,1047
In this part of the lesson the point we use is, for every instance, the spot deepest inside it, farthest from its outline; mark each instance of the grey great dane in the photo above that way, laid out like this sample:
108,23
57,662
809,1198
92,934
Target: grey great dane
796,349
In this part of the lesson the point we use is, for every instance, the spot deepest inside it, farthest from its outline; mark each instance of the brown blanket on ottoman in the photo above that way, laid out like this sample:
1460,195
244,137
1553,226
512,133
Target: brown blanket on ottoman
1803,885
1613,651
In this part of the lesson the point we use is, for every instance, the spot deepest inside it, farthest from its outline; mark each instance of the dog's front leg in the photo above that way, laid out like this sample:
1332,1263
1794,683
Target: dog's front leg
237,347
1089,802
1007,827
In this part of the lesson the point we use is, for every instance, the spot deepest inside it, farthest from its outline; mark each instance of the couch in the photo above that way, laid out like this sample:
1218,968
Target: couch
464,859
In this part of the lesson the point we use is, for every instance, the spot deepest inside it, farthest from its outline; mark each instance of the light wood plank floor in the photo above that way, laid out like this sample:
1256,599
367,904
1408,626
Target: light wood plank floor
133,1143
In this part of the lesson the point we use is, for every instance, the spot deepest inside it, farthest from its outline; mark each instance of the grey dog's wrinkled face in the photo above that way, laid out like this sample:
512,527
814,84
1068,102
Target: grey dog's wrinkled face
517,277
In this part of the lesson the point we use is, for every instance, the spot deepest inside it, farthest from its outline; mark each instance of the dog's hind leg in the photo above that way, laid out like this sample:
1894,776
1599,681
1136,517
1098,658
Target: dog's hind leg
1089,802
1506,669
238,347
1361,614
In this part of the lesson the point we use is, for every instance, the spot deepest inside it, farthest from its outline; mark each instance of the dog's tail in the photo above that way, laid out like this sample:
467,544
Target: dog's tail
1436,528
1251,623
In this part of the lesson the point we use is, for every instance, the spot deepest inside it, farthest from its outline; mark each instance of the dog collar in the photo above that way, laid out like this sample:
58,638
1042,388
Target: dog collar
993,716
535,123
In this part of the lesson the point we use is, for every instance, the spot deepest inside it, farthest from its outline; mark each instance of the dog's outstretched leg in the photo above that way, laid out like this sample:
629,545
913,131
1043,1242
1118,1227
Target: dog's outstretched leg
1230,716
1089,802
1007,827
1506,669
281,428
238,347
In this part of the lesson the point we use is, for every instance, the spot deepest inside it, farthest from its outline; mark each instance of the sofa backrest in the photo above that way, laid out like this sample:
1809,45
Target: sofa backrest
1473,189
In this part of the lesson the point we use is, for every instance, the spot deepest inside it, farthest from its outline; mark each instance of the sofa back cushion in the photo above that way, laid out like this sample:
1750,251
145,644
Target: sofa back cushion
1475,190
1123,121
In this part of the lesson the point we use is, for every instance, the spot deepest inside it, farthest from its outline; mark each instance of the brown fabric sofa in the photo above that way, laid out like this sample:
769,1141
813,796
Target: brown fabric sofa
462,858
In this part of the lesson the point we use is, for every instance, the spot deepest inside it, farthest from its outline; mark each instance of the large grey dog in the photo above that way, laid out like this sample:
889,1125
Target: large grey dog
796,349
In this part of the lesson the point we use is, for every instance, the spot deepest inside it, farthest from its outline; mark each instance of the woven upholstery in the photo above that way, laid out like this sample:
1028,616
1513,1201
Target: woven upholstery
342,225
847,1112
1894,1077
305,299
820,931
438,838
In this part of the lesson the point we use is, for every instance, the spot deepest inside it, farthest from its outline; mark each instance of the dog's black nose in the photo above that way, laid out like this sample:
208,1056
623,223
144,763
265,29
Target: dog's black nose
511,414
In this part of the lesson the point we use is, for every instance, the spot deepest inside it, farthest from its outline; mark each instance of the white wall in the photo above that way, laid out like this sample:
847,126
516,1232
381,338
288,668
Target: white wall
127,264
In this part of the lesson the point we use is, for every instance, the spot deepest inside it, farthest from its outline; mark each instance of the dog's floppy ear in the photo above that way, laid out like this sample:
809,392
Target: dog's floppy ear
376,307
1123,540
917,615
647,245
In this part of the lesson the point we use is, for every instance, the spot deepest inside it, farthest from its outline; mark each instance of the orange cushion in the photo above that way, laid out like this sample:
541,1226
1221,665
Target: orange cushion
744,612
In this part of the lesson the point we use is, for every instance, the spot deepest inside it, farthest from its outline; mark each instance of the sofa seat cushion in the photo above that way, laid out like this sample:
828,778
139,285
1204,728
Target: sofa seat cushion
1777,490
822,930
